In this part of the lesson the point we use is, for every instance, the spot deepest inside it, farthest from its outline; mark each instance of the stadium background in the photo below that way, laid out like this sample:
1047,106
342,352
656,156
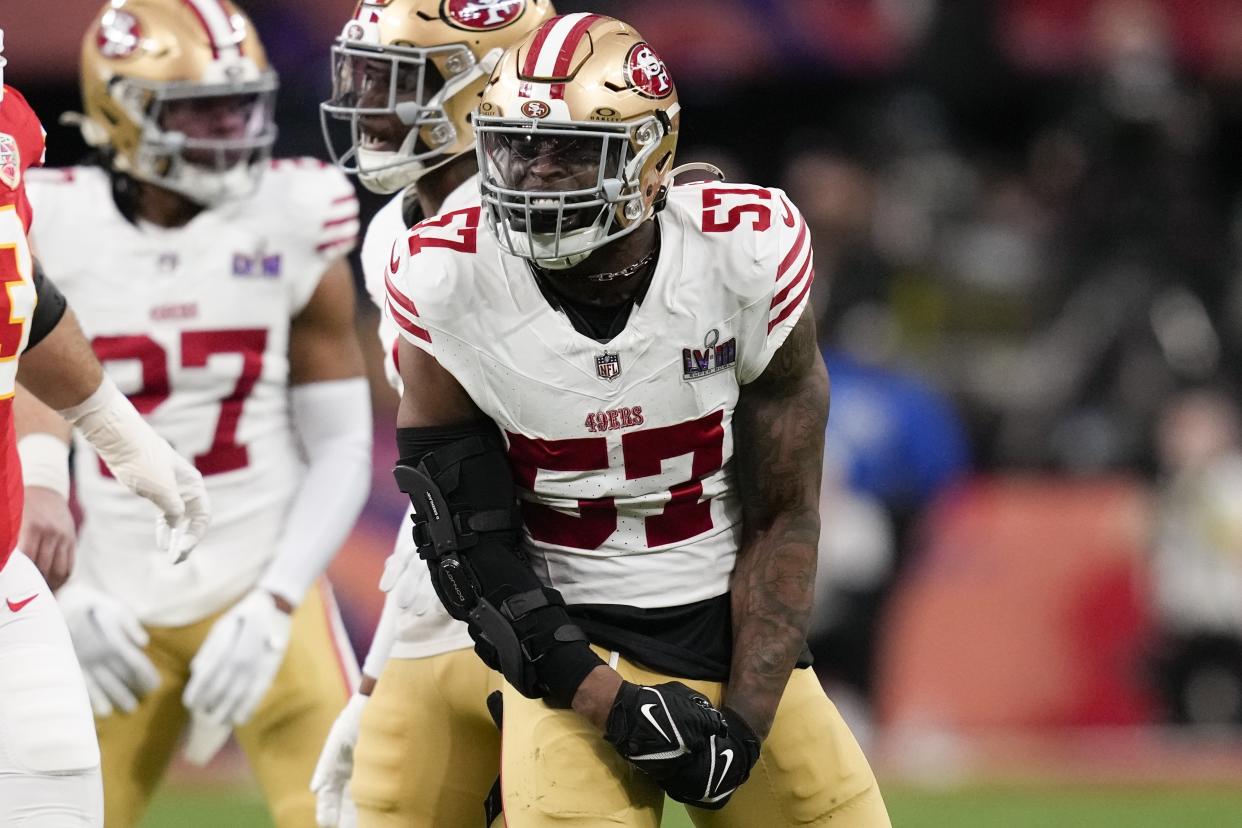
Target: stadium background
1027,212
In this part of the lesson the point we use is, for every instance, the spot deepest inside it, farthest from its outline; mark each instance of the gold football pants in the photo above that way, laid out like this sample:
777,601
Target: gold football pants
557,770
282,740
428,751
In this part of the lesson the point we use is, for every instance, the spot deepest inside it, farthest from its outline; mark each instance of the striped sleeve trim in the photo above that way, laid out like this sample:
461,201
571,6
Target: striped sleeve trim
794,275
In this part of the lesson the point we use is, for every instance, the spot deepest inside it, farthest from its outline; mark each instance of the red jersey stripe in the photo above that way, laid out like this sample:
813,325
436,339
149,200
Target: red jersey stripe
792,255
406,325
399,298
339,221
328,245
788,309
783,292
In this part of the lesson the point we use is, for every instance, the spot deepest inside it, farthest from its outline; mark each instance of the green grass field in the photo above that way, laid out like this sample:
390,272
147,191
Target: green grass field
982,807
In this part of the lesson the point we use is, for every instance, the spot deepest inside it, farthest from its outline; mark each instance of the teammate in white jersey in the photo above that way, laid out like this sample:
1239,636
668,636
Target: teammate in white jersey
49,759
407,75
638,357
212,284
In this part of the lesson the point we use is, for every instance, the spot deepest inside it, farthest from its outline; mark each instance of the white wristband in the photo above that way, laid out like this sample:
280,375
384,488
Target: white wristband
45,462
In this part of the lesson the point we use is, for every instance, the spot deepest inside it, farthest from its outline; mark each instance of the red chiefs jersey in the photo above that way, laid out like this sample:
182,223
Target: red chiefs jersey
21,146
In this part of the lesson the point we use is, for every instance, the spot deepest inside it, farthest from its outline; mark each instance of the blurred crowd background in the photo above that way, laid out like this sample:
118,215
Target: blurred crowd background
1027,218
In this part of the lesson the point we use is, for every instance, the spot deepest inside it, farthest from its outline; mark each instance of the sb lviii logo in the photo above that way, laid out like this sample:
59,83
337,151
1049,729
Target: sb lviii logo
646,73
482,15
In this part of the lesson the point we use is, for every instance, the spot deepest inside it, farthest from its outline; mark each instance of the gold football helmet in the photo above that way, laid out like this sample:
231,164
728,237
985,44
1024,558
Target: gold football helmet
406,77
179,93
577,130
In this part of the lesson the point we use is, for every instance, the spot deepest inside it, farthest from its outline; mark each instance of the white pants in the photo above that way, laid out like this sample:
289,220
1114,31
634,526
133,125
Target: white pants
49,758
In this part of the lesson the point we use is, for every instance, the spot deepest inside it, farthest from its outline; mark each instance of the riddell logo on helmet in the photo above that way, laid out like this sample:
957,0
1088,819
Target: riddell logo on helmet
646,73
119,34
482,15
536,109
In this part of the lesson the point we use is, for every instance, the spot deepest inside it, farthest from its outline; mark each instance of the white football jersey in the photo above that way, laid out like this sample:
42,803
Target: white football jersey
435,632
622,452
192,324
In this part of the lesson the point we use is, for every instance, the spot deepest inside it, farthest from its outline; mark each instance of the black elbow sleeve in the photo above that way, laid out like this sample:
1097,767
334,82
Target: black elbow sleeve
49,310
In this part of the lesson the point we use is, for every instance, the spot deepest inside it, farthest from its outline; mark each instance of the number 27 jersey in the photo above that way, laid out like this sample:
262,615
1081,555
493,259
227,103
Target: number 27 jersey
622,451
193,324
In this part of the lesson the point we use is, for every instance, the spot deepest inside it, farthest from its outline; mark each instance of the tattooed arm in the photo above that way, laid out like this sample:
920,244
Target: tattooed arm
778,430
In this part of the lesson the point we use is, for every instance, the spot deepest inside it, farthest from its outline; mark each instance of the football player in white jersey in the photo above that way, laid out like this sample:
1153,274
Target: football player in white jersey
637,355
49,760
212,284
407,76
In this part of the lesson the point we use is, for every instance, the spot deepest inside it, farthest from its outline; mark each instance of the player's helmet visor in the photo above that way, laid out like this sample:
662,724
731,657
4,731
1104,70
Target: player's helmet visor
555,190
208,141
387,105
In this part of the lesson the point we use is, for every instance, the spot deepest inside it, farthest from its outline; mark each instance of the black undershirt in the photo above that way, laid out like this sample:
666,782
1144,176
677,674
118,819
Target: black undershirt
692,641
601,323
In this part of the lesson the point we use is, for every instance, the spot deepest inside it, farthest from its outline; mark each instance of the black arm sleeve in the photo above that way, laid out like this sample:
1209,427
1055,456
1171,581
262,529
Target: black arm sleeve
48,311
466,527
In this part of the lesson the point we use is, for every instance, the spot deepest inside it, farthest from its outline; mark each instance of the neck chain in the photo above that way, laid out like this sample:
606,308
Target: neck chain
625,271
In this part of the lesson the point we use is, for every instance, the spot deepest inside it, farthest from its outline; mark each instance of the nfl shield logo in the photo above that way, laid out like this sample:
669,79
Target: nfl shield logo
10,161
608,366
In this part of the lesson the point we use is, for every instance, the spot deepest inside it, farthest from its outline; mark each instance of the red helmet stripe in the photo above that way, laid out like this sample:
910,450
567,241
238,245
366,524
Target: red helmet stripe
554,45
217,23
571,44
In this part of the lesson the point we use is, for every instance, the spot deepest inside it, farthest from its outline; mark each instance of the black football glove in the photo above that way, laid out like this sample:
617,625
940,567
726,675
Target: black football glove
696,753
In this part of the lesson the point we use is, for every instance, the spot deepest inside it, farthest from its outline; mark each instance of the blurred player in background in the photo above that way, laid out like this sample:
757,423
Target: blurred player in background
213,285
636,357
49,760
407,76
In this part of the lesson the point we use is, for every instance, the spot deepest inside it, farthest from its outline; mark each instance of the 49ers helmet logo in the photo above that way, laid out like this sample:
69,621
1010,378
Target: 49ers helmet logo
646,73
10,162
482,15
119,34
536,109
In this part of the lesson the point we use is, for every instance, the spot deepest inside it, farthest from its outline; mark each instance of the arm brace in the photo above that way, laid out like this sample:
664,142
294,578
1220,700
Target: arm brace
49,310
333,423
466,527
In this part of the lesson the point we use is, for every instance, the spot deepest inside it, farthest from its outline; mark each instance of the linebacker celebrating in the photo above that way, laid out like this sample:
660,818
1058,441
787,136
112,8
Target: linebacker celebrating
215,293
633,362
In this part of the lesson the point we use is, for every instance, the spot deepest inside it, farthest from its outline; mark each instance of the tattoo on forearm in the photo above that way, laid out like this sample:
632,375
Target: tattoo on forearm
779,433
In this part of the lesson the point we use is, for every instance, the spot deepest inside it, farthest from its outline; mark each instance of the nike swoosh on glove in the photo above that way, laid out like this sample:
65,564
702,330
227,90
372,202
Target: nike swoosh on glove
696,753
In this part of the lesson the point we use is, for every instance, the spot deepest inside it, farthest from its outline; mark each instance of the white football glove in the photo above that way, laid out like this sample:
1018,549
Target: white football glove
108,640
236,664
336,764
409,581
146,465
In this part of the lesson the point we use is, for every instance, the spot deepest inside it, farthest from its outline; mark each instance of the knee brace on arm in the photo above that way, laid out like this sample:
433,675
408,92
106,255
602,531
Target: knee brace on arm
466,527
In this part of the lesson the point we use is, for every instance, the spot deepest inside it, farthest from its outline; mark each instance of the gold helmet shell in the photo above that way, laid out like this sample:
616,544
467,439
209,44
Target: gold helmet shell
418,66
142,58
577,78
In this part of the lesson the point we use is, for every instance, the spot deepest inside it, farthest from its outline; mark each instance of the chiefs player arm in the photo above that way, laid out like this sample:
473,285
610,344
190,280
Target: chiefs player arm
779,435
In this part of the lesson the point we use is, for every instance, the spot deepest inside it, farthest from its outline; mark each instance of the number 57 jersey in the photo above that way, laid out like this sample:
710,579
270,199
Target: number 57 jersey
622,451
192,323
